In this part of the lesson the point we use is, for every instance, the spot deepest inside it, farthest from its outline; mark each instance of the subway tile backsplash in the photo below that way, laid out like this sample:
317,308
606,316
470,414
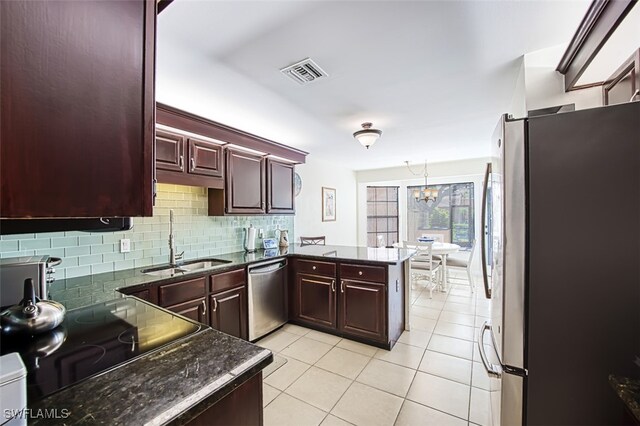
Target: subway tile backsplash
197,234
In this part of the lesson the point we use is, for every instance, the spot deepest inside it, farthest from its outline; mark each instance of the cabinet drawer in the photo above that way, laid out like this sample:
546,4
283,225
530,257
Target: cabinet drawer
363,273
316,268
171,294
227,280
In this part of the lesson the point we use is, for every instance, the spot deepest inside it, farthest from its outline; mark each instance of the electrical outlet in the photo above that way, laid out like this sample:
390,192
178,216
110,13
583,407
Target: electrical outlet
125,245
260,233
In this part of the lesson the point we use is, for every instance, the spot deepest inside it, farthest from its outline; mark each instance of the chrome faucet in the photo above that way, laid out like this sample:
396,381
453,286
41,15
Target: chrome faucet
173,257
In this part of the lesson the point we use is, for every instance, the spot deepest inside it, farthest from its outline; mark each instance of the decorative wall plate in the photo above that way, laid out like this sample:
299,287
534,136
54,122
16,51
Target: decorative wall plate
297,182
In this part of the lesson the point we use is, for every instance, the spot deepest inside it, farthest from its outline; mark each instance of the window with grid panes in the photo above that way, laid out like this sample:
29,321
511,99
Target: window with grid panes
382,215
450,218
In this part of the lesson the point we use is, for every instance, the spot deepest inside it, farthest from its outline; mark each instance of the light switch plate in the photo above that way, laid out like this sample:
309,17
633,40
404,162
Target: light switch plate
125,245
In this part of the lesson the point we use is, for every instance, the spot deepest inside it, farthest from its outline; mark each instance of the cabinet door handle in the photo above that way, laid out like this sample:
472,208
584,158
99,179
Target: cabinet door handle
333,285
360,273
193,164
204,307
269,206
342,286
262,205
215,304
313,267
181,161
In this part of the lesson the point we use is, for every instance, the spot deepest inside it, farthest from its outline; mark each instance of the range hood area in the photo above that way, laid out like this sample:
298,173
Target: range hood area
98,224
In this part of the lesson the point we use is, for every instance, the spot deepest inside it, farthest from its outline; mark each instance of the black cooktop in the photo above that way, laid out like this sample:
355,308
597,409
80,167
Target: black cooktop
93,340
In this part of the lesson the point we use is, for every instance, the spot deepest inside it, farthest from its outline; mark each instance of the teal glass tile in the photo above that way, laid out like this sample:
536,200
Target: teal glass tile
64,242
196,233
35,244
77,251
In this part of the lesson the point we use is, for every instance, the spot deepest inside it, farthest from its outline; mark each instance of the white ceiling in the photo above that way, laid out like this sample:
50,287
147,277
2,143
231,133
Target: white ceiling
433,75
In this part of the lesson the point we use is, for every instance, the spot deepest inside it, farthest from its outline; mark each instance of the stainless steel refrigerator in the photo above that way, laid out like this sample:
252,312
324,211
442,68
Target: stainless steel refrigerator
562,243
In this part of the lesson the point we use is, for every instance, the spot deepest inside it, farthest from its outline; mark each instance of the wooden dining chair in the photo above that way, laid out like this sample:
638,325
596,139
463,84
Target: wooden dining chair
422,264
315,241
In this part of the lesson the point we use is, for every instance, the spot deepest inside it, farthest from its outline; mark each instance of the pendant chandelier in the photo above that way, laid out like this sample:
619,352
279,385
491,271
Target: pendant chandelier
425,193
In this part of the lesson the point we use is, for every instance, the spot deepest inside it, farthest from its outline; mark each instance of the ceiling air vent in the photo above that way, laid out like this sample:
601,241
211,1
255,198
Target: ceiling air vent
304,72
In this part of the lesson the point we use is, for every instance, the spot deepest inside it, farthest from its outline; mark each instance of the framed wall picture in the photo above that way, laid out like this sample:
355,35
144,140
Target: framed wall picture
328,204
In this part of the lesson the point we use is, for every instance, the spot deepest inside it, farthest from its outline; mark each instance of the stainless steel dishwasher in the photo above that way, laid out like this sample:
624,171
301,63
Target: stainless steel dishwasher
267,297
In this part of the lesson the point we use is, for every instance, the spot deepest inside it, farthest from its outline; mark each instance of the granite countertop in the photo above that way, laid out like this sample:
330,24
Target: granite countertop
86,290
169,386
628,390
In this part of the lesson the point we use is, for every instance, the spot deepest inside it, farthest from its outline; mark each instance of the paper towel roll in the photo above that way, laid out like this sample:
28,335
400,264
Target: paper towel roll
250,241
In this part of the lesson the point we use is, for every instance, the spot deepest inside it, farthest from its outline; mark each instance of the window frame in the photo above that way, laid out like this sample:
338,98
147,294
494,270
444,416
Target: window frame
376,217
452,207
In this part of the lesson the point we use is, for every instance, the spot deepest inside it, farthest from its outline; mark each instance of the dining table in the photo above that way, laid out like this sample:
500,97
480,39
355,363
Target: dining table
439,249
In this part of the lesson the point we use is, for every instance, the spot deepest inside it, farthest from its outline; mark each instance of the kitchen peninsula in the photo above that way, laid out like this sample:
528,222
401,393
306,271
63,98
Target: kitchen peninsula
356,292
124,360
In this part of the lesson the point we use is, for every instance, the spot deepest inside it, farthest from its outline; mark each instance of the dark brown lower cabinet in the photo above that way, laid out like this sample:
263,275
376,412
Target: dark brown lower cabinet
228,312
148,294
241,407
362,309
363,302
194,309
218,300
316,300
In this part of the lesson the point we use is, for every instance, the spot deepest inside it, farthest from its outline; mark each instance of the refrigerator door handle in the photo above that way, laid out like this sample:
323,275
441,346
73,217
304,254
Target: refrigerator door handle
485,277
492,369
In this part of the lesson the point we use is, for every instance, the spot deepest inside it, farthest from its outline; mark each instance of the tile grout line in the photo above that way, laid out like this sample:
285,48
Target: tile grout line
417,370
372,357
421,358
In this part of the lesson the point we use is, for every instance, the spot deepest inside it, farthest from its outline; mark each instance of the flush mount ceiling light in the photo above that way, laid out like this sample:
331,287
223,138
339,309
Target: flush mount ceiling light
367,136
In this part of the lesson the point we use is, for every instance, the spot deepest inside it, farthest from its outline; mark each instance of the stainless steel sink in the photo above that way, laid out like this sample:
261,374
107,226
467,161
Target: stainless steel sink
190,266
202,264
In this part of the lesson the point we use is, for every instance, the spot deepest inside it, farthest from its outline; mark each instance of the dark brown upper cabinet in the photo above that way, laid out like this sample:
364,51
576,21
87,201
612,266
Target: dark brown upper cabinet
252,180
245,183
77,108
624,85
169,151
280,187
205,158
254,185
186,160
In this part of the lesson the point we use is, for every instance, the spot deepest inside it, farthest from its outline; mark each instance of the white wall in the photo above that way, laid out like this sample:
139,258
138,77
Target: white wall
545,86
439,173
315,174
518,105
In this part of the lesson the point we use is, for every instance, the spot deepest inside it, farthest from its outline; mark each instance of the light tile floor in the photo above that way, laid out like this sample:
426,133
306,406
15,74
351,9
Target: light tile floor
432,376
